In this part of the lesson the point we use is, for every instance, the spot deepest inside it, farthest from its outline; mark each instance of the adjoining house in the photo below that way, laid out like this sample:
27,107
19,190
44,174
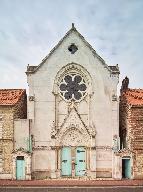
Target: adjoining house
131,131
13,105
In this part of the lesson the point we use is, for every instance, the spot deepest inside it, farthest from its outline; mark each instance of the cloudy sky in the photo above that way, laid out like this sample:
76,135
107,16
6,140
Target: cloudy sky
29,29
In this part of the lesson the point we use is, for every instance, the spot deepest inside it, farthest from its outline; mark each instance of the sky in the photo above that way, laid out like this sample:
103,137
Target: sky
29,29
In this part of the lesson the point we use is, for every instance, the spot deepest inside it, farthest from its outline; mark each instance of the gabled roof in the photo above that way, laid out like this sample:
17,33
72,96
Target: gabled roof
32,69
133,97
11,96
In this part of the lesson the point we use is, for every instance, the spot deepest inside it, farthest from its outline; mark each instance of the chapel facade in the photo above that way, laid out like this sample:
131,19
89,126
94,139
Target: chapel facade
73,108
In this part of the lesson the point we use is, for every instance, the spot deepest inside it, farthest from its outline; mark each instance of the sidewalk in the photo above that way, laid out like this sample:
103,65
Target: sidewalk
72,182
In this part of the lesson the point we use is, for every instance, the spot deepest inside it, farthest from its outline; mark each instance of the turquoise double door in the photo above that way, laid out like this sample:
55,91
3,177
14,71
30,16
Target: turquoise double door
20,168
79,161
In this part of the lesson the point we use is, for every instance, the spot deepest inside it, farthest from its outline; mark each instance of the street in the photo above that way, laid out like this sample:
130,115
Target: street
72,189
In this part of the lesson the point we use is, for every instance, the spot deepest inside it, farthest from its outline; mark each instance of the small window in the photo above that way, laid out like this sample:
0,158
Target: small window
72,48
20,158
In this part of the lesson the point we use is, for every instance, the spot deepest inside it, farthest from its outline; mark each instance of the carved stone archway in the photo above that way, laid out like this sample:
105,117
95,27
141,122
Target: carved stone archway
73,137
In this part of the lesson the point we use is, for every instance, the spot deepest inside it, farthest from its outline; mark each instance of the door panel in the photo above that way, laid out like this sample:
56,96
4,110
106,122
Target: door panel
127,168
20,169
66,162
80,166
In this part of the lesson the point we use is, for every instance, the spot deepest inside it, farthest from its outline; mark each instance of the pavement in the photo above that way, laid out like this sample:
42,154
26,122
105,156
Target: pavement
71,189
70,183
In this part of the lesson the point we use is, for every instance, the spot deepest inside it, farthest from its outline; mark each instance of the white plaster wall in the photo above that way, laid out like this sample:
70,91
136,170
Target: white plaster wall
43,160
41,86
21,134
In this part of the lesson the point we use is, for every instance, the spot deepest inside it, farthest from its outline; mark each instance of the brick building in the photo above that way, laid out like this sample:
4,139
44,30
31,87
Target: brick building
131,131
13,105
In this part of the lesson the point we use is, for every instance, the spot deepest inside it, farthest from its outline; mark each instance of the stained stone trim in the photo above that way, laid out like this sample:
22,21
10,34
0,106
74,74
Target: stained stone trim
56,147
125,152
41,148
104,147
92,148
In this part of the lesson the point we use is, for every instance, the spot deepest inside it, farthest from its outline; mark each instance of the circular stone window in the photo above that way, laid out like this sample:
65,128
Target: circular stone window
73,87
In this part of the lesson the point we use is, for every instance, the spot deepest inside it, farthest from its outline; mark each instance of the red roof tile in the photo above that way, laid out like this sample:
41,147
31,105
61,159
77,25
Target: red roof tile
134,96
10,96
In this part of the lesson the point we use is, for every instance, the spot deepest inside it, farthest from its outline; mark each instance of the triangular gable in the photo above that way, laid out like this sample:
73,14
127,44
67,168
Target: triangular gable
32,69
73,119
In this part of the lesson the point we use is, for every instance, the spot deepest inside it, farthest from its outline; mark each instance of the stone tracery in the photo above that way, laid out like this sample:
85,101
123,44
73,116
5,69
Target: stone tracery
72,137
72,87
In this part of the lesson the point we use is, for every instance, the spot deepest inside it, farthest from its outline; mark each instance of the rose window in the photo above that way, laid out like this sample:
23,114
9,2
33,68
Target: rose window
72,87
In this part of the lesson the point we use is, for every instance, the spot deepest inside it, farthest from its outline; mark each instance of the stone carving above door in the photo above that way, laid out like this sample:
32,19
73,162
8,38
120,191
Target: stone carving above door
73,129
73,137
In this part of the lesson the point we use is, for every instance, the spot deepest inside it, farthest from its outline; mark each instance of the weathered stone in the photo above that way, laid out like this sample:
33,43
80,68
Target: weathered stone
13,106
131,128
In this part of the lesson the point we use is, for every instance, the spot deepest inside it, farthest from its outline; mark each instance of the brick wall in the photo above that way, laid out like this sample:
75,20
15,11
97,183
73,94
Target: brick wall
7,138
136,139
8,114
20,109
123,122
131,127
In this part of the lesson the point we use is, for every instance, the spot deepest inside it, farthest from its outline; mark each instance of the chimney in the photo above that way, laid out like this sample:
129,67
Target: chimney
125,84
